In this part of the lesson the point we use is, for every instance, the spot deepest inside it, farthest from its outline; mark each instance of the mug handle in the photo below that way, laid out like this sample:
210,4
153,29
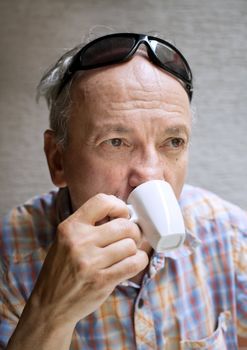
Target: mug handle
133,215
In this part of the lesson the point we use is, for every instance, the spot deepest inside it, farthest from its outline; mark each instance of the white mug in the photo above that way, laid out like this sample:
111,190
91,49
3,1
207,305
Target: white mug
154,207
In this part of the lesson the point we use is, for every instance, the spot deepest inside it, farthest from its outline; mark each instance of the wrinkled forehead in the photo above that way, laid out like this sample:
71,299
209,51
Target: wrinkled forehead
139,74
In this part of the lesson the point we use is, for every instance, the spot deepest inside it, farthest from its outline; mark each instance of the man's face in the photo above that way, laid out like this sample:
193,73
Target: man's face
130,123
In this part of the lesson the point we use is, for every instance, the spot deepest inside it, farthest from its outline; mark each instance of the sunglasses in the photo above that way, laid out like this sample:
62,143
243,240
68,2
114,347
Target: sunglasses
117,48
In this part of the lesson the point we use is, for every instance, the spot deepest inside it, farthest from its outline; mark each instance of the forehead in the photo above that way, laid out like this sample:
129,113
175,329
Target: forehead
135,93
138,74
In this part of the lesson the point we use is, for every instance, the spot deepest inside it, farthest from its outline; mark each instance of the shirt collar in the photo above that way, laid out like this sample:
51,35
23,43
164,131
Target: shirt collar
189,246
157,261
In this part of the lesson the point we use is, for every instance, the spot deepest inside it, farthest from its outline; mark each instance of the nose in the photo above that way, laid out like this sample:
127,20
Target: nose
146,166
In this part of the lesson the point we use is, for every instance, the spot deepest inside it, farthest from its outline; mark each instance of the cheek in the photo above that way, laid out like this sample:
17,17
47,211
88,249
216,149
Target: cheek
103,171
91,176
182,172
177,174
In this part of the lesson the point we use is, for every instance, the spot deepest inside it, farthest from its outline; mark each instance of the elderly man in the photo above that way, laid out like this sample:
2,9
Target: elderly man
120,115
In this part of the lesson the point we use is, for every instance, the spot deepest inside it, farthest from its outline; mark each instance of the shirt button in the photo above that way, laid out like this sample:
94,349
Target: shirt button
140,303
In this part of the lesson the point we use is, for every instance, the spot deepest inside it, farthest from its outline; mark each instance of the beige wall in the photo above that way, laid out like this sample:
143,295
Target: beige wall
212,34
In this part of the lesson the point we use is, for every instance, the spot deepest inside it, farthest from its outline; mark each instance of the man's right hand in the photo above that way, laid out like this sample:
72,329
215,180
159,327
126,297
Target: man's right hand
83,266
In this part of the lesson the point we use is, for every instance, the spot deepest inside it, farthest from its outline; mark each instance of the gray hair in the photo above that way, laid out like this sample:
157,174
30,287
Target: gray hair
59,104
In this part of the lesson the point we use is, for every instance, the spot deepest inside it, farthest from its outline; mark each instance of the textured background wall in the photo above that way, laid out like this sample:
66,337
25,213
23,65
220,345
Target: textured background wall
212,35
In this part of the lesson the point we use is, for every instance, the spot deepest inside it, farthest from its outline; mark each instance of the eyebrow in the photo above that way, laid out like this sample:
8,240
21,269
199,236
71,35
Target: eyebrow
122,129
177,130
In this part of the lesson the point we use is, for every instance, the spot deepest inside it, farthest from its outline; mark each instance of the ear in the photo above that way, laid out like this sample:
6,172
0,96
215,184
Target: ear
54,157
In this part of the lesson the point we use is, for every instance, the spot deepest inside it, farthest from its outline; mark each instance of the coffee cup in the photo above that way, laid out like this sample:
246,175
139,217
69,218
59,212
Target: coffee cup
154,208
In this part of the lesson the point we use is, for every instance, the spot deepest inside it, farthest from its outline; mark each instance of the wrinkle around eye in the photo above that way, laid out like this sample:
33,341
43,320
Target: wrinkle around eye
115,144
172,146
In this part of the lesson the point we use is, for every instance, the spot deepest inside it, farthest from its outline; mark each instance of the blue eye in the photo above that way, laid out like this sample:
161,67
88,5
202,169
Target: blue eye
115,142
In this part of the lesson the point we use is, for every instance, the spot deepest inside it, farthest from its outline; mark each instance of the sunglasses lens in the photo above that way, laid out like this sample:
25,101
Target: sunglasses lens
107,51
170,59
117,48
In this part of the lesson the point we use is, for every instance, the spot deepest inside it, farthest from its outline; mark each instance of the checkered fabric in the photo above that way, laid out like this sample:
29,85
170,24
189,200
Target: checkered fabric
191,298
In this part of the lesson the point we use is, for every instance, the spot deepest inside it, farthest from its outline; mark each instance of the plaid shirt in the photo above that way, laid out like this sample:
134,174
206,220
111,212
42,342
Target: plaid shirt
191,298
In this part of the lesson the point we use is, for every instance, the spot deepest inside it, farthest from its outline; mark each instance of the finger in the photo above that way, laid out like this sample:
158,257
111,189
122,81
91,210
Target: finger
127,268
116,252
101,206
117,230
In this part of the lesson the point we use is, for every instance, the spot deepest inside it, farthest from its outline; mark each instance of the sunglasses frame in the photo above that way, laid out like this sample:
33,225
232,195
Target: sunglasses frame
77,65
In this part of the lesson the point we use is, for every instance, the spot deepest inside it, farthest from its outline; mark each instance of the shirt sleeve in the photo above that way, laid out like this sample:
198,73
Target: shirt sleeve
26,233
11,306
240,261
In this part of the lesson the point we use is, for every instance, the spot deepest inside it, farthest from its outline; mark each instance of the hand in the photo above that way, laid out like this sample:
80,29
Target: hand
87,260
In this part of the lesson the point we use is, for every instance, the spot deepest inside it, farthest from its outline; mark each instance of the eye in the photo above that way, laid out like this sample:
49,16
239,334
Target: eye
177,142
174,144
116,142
